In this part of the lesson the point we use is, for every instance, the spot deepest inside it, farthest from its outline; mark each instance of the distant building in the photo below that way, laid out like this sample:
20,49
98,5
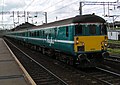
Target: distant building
114,34
116,24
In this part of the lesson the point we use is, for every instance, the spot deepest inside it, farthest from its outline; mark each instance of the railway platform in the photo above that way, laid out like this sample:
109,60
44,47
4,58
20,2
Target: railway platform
10,71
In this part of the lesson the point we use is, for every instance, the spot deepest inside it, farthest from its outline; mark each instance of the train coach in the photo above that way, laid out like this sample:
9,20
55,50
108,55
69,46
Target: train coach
80,40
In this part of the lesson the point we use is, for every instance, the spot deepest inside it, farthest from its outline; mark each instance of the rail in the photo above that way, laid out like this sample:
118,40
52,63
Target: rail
63,82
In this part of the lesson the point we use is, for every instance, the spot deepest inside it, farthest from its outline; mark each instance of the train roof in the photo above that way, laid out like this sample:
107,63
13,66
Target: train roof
77,19
88,19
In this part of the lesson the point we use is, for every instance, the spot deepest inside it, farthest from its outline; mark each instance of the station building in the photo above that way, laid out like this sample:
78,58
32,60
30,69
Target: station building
114,34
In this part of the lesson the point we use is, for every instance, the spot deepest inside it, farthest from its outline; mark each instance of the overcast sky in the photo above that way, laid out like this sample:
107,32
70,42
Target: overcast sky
56,9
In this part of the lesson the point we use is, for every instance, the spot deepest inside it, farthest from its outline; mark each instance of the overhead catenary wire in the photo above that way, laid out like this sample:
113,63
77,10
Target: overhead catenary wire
61,7
29,4
53,5
64,6
57,12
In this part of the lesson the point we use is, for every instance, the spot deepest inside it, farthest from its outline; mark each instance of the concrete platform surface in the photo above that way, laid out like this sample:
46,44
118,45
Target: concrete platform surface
10,72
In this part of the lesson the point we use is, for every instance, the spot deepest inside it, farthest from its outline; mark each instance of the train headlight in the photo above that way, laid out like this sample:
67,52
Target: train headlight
102,47
77,40
105,44
82,43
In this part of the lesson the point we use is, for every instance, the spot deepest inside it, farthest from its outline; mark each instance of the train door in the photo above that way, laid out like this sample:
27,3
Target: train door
56,35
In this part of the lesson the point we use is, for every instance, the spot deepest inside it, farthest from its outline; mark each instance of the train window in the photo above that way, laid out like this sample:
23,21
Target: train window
78,29
22,34
30,34
43,32
92,29
66,31
55,32
103,29
35,34
26,33
38,34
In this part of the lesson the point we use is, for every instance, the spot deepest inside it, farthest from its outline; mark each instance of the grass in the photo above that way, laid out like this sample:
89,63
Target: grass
114,41
118,28
114,51
115,28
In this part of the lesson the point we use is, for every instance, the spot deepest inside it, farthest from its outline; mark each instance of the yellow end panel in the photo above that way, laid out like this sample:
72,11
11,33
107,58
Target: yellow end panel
91,43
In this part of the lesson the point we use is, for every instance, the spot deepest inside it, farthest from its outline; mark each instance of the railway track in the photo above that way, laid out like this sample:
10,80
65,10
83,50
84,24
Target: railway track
69,75
112,63
106,76
66,75
113,45
114,58
40,74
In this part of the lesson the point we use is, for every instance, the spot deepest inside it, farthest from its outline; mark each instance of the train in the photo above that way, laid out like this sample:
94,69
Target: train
80,40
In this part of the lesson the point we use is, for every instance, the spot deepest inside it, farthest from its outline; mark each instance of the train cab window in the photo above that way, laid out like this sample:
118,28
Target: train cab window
103,29
66,31
78,29
92,29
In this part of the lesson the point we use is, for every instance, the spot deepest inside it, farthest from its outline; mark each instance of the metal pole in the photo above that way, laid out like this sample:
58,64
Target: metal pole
2,20
32,20
108,9
27,16
18,16
104,9
80,8
13,19
113,22
24,16
45,17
